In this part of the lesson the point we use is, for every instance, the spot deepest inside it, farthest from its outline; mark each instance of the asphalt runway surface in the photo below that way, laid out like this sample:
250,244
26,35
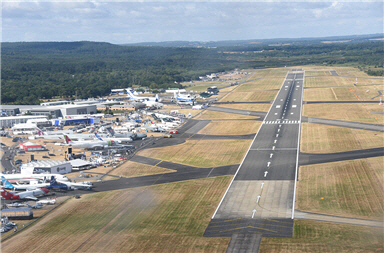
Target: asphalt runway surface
263,187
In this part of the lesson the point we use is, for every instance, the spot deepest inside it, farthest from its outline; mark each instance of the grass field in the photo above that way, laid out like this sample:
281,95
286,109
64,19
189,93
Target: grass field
133,169
214,115
249,96
324,237
317,138
168,218
270,72
202,153
357,112
335,81
231,127
317,73
346,188
249,107
261,84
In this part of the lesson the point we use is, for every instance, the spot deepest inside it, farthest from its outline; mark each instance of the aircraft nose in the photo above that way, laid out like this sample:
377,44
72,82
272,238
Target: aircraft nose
45,190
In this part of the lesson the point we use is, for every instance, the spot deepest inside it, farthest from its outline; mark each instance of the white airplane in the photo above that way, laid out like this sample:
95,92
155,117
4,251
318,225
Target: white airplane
184,99
32,177
143,99
119,140
33,184
89,144
27,195
16,204
89,136
74,185
52,201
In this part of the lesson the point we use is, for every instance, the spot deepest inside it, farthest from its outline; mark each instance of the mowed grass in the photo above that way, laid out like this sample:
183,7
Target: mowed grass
343,93
270,72
349,71
324,237
354,112
261,84
213,115
251,96
133,169
317,138
249,107
334,81
167,218
317,73
346,188
202,153
231,127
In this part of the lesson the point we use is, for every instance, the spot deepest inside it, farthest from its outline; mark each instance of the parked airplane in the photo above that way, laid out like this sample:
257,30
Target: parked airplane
73,185
33,184
32,177
119,140
36,206
134,136
55,185
184,99
27,195
89,136
143,99
155,128
89,144
52,201
16,204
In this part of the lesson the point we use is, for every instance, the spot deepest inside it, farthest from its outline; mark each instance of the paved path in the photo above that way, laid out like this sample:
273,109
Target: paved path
337,219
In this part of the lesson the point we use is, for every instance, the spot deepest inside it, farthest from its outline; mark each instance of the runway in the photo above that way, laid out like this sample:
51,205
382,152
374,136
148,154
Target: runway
263,186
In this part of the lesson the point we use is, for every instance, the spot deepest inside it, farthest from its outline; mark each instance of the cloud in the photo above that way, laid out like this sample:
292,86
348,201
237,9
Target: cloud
134,21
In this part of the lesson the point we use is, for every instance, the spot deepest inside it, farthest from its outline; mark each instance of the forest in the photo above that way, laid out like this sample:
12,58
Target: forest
31,71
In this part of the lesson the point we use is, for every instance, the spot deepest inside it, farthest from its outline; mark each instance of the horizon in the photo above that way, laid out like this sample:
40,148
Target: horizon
132,22
296,38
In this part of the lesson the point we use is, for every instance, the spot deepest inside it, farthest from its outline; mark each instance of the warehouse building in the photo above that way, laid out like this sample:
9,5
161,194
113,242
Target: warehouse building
46,166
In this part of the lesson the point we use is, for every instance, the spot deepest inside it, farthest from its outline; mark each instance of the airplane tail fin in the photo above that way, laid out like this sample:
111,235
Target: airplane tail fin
40,132
110,131
53,181
8,195
97,136
6,183
67,139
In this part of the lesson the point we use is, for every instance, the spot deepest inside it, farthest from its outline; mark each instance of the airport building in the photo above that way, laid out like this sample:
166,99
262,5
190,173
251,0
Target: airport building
9,121
46,166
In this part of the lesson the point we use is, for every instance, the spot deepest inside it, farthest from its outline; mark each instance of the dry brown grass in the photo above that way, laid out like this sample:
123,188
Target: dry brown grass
261,84
346,188
324,237
133,169
168,218
357,112
316,138
249,107
317,73
249,96
214,115
270,72
335,81
202,153
231,127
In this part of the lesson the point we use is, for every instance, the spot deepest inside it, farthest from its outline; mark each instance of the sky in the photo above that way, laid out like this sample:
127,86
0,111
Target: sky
121,22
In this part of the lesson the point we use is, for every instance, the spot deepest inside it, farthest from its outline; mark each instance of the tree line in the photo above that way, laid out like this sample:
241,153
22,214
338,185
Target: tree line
33,71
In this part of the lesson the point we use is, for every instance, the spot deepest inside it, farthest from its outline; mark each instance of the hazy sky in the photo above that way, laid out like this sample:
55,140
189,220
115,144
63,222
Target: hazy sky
155,21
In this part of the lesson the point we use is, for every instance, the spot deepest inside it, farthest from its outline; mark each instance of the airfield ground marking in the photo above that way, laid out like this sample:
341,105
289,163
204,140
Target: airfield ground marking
249,149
